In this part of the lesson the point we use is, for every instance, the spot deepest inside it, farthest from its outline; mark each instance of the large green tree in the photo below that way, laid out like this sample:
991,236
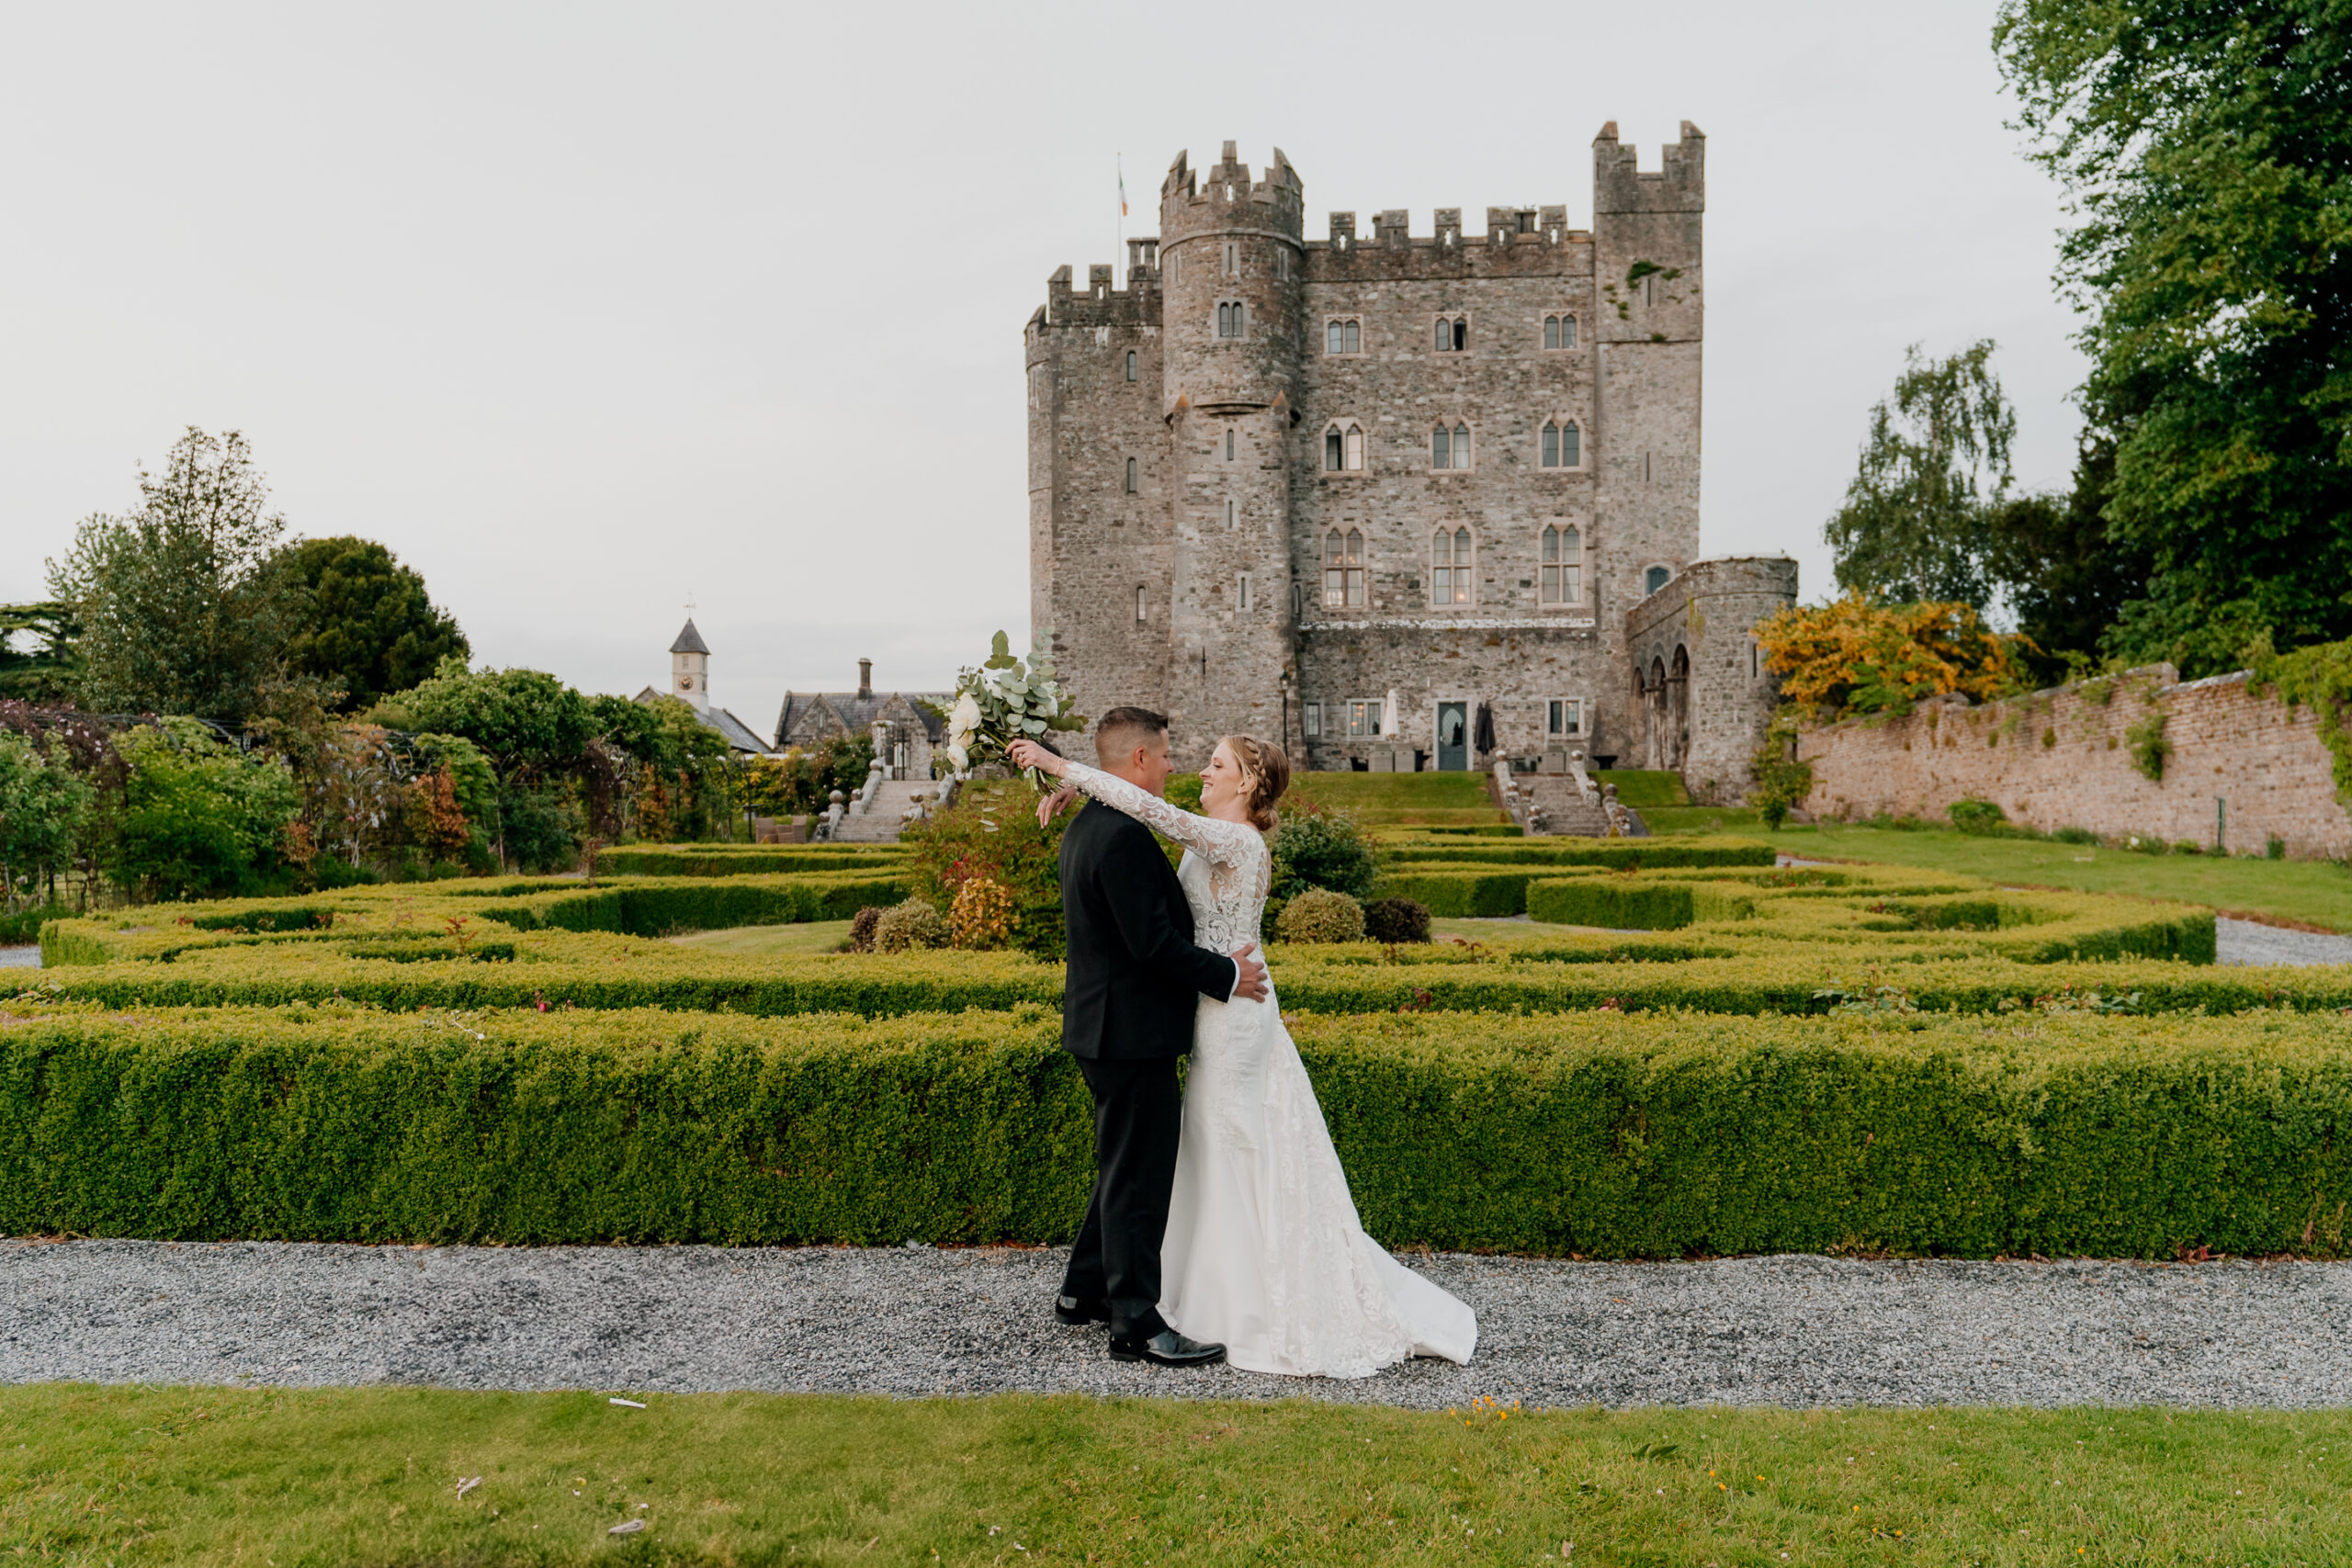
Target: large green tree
181,612
1916,524
363,623
39,659
2206,148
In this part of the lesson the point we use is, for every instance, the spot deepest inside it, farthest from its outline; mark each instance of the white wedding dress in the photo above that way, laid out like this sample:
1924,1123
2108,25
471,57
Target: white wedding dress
1263,1251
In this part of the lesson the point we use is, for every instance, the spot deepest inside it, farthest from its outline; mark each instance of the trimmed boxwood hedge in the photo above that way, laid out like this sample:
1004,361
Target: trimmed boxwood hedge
1602,1135
1616,854
744,859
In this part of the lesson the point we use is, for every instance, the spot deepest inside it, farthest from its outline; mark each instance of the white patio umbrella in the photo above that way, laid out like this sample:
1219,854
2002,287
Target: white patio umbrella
1388,720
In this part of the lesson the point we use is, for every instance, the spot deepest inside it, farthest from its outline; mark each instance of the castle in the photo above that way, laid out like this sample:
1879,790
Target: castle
1403,501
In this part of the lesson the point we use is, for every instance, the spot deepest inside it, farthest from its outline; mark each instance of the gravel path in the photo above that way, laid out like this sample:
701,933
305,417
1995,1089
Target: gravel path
2248,941
1785,1330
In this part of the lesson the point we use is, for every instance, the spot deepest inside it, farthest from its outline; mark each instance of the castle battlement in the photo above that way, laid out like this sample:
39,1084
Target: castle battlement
1222,196
1100,303
1620,186
1506,227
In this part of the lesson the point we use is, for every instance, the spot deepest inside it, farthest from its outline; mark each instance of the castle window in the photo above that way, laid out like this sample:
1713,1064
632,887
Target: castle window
1241,591
1138,607
1755,662
1232,515
1363,716
1563,718
1559,332
1449,567
1561,579
1131,476
1563,444
1229,444
1131,364
1229,319
1343,448
1343,570
1232,259
1655,578
1449,449
1310,718
1452,334
1282,262
1343,337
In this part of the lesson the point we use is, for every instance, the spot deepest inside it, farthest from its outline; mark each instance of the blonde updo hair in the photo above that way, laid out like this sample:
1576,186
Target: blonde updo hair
1268,771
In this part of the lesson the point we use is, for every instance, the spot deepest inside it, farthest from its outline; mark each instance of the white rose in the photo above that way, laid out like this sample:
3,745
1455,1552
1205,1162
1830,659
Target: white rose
965,717
961,758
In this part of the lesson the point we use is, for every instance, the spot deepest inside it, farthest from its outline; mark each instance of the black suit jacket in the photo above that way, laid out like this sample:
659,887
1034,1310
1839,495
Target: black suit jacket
1133,969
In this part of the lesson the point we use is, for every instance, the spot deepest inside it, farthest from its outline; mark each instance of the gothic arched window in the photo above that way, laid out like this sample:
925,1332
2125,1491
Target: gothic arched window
1452,334
1563,444
1229,319
1343,448
1131,364
1655,578
1559,332
1449,567
1343,570
1450,448
1562,578
1345,336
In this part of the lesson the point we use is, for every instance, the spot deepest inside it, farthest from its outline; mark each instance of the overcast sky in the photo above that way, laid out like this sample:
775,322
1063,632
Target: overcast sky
587,311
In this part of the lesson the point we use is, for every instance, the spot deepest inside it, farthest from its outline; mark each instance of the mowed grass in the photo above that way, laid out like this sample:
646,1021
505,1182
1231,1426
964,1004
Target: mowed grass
808,936
2316,893
200,1476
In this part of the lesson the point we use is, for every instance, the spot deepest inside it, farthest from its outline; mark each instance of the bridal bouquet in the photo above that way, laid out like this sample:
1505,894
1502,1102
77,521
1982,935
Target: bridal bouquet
1005,700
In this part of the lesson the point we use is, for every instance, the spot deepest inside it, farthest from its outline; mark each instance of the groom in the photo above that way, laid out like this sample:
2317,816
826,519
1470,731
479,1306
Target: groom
1127,1012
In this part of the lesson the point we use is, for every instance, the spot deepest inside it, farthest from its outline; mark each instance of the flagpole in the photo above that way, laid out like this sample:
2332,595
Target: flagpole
1119,243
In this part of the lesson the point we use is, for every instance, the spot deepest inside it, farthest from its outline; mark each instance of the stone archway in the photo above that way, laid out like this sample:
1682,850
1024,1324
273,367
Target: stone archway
1654,713
1678,709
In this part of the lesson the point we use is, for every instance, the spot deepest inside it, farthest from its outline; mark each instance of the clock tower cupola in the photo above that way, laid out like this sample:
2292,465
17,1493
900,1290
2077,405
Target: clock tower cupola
690,668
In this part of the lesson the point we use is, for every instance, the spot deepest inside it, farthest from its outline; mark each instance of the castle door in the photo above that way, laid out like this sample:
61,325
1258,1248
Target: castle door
1453,737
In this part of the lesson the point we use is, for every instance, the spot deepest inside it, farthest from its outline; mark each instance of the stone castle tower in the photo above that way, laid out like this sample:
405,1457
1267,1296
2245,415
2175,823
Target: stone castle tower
1274,480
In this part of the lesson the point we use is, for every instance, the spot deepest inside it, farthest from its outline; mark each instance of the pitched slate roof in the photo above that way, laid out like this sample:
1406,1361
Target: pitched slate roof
737,734
690,640
857,713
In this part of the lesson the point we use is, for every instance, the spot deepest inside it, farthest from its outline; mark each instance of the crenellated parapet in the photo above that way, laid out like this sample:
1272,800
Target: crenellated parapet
1679,186
1099,304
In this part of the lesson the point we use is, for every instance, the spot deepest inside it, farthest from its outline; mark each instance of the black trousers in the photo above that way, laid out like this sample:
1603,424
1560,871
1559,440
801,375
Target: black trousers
1138,1115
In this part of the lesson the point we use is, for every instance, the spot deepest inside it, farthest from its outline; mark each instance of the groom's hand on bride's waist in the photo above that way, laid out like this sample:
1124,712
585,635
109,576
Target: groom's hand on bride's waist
1252,984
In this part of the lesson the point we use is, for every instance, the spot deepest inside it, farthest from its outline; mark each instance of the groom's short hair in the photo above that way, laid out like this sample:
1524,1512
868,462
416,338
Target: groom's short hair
1120,731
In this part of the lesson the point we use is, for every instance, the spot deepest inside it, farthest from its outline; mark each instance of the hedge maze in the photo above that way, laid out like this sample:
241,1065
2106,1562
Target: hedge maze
1687,1050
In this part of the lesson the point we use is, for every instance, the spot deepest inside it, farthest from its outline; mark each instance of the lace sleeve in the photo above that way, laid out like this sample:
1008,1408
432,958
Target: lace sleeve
1226,845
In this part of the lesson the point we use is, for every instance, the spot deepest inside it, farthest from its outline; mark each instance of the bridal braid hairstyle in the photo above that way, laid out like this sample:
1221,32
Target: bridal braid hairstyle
1268,771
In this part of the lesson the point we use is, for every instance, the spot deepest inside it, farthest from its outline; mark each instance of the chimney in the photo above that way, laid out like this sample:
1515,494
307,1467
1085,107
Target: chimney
865,678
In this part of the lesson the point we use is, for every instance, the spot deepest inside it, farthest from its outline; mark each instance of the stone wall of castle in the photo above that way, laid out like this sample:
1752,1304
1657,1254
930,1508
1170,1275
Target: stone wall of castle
1699,685
2244,767
1231,313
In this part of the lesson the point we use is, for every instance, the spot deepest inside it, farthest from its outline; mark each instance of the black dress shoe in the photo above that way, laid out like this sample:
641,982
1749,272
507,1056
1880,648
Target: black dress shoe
1166,1349
1077,1311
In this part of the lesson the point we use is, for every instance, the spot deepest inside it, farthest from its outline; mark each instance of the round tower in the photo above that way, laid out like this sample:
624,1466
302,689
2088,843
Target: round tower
1230,256
1231,262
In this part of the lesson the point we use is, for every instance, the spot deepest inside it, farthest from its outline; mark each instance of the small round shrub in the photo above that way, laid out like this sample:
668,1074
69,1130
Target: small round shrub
911,925
1977,815
1396,919
861,928
1320,915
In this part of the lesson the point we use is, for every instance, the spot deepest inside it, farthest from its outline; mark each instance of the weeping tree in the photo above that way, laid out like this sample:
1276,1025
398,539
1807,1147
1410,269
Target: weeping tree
1917,525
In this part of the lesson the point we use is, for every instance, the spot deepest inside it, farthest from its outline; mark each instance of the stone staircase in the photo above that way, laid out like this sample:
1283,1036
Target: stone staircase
1568,807
884,815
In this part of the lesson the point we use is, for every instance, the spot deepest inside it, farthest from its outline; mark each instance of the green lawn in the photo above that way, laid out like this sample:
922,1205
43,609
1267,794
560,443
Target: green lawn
2316,893
808,936
202,1477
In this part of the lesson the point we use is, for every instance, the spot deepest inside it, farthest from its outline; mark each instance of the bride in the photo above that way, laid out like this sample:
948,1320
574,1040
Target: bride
1263,1249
